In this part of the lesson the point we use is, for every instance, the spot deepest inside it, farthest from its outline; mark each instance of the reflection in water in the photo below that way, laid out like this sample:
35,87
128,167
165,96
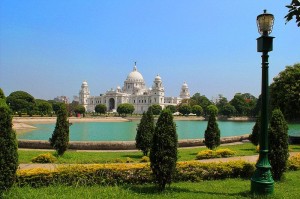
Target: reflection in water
126,131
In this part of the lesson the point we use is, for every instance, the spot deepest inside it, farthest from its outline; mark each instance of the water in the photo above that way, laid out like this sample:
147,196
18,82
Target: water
126,131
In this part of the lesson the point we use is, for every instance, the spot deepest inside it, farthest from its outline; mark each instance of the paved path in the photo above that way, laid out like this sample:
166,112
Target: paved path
252,159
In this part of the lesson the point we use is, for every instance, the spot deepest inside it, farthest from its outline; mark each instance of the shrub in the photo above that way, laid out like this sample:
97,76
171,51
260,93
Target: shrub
145,131
114,174
254,136
145,159
208,154
294,162
224,153
163,154
60,137
212,132
278,136
205,154
8,149
44,158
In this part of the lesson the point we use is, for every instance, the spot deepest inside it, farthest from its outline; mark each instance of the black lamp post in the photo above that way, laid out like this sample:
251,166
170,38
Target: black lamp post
262,181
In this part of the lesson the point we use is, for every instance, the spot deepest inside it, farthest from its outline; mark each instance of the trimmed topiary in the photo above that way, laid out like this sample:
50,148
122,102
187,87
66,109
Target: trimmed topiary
145,131
212,132
279,145
8,149
254,136
163,154
60,137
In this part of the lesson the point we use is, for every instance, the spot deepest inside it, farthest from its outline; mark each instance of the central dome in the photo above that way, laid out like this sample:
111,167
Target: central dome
135,76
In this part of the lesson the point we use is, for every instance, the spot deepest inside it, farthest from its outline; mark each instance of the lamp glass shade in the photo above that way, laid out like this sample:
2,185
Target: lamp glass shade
265,23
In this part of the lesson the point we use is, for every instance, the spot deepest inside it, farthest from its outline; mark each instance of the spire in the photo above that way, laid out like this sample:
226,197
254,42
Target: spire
134,68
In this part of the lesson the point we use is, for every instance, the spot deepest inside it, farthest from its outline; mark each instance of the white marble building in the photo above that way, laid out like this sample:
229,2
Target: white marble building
134,92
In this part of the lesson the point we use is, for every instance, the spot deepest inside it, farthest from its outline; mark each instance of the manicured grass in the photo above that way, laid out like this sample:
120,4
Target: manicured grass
229,188
73,157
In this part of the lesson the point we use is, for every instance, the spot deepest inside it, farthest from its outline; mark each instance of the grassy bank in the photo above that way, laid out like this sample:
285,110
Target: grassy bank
229,188
185,154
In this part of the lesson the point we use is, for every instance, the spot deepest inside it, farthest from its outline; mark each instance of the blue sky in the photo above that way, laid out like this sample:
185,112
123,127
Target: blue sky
47,48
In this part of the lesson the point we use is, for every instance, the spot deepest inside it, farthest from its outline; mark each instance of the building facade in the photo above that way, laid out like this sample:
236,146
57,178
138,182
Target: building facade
135,92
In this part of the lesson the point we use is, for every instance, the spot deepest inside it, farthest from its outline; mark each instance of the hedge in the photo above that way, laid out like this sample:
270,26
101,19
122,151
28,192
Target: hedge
137,173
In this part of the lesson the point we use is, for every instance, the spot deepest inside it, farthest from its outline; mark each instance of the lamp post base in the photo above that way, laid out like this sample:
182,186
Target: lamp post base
262,182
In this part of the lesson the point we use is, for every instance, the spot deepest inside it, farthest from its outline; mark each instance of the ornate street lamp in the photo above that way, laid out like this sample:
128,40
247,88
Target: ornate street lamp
262,181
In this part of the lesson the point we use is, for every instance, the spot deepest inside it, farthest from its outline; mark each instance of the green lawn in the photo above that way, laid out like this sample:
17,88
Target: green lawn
229,188
184,154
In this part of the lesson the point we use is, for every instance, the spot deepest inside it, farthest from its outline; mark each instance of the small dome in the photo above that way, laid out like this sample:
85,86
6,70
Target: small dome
157,78
84,83
135,76
118,88
184,85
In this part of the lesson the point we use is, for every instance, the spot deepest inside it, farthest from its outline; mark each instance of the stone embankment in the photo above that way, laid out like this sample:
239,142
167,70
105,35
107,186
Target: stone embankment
118,145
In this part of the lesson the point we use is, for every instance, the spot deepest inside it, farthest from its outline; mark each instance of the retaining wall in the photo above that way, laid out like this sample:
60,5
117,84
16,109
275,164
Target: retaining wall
118,145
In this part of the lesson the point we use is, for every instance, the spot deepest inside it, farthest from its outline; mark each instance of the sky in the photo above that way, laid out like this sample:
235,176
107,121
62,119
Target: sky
48,48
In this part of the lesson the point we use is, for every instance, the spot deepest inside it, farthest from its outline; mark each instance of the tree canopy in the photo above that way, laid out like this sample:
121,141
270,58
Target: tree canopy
197,109
2,96
43,107
202,101
144,133
156,109
185,109
285,92
294,11
124,109
79,109
100,108
21,101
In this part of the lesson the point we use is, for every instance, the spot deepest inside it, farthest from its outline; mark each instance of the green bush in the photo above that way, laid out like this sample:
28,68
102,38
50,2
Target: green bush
60,137
163,153
220,153
279,145
44,158
8,149
144,133
212,132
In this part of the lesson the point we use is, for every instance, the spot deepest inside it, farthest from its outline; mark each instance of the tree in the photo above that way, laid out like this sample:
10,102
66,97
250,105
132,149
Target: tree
202,101
79,109
100,108
254,136
55,105
197,109
244,103
172,108
212,132
156,109
60,137
43,107
279,146
20,101
8,149
227,110
2,96
163,153
185,109
285,92
294,10
124,109
71,107
145,131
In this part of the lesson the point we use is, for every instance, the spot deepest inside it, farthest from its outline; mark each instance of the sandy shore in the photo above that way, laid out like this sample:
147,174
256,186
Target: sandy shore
21,124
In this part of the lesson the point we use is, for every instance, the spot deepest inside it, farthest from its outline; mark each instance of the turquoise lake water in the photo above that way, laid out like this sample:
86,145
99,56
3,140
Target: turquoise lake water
126,131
